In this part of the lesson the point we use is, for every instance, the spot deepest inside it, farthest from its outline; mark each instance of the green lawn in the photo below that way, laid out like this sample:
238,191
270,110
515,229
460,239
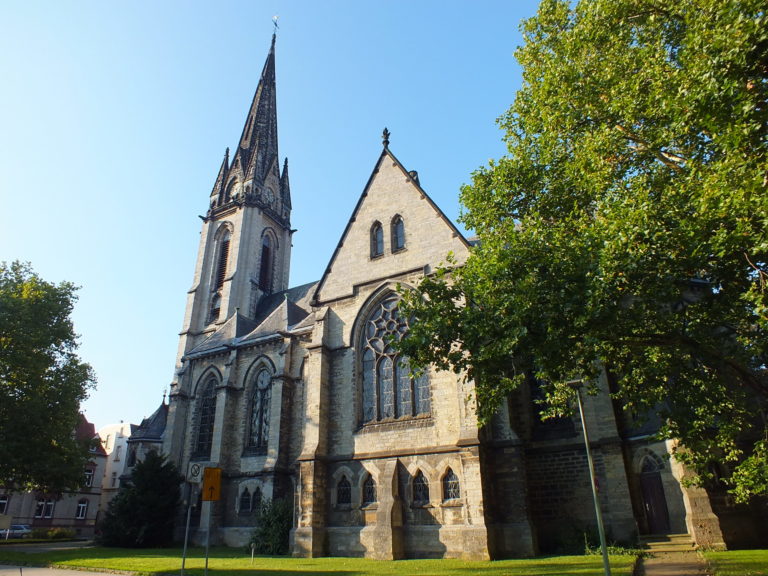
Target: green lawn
229,561
739,562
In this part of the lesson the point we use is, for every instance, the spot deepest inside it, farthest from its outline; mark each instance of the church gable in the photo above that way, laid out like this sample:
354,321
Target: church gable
395,228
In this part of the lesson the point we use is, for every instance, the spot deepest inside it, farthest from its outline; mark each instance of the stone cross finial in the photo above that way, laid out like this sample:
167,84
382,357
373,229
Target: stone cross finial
385,138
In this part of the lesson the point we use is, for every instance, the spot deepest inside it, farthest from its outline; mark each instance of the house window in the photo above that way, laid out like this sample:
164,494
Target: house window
113,482
343,491
118,451
44,508
420,490
267,264
369,491
398,233
260,403
205,419
377,240
3,503
389,389
88,482
82,509
245,501
451,487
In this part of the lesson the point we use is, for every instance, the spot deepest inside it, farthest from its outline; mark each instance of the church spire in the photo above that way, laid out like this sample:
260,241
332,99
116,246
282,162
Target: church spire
257,152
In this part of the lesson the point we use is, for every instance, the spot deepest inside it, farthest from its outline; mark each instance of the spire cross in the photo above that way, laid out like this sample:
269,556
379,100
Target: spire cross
274,23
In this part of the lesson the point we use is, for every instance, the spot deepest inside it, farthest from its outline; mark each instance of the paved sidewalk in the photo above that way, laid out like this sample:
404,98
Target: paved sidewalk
671,564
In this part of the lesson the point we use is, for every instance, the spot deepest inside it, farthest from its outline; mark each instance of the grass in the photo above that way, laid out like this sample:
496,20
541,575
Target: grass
738,562
230,561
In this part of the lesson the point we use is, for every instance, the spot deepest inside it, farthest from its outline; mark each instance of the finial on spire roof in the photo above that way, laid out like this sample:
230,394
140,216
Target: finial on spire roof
274,23
164,394
385,138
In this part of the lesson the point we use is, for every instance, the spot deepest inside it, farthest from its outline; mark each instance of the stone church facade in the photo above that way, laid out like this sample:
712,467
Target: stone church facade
295,392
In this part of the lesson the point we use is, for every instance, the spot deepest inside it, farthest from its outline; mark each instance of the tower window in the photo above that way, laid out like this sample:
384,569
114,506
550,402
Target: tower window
267,264
377,240
205,420
398,233
221,265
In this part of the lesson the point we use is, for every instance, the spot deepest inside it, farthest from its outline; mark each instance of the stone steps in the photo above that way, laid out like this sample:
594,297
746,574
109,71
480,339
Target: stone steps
657,543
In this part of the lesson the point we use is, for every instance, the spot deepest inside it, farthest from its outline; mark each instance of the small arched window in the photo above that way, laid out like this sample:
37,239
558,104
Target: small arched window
267,264
369,491
215,308
245,501
258,437
420,489
343,491
377,240
206,407
451,487
398,233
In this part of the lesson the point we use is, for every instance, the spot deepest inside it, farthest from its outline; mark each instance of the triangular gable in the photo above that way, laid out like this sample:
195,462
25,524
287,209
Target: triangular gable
430,235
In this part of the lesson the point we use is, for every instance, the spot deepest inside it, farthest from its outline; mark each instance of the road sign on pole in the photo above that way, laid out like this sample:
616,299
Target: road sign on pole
212,484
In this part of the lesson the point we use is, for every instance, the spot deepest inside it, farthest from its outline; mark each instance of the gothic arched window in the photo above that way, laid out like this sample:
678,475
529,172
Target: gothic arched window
206,415
451,486
245,501
369,491
377,240
222,257
398,233
258,436
420,489
267,263
343,491
389,389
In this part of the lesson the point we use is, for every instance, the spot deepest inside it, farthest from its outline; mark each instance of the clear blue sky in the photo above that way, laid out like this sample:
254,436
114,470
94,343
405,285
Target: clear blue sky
114,117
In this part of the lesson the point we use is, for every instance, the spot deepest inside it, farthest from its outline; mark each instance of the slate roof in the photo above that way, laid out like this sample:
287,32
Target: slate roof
151,429
277,313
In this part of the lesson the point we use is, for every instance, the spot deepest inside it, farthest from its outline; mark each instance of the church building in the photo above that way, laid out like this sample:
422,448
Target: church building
295,392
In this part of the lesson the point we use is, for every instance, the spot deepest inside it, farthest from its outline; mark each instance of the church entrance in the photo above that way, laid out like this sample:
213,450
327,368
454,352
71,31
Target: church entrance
654,501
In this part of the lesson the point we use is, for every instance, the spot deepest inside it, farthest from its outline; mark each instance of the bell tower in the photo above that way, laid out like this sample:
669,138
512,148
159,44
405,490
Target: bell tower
245,242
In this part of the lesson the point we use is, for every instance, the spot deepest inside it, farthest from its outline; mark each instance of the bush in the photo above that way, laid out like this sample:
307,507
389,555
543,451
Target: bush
60,534
274,526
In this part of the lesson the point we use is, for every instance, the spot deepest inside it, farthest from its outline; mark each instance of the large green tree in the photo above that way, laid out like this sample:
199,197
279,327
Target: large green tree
42,383
626,227
143,513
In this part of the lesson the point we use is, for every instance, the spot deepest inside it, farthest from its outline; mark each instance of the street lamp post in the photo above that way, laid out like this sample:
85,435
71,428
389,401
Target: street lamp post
576,385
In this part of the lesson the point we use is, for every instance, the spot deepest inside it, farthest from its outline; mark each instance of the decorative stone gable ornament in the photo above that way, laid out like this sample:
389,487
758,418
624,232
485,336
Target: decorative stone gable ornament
385,138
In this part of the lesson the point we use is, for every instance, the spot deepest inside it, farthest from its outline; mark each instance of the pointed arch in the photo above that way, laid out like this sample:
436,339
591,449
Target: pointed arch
267,261
420,489
219,269
206,416
343,492
369,492
259,409
377,239
451,485
389,389
397,230
245,502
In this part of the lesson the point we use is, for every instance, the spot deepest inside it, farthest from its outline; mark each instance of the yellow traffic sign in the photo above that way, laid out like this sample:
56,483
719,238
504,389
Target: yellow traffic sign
212,484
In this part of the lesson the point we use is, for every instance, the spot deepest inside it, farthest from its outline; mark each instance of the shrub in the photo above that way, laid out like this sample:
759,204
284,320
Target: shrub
60,534
274,525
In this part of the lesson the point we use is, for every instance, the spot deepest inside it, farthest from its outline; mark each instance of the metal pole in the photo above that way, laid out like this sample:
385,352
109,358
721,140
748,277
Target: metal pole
208,536
598,512
190,500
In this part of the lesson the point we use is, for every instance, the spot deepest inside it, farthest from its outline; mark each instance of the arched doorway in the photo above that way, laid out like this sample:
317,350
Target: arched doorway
654,500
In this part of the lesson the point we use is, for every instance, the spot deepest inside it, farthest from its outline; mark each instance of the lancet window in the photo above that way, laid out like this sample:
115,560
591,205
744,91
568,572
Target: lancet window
258,436
451,486
398,233
205,419
377,240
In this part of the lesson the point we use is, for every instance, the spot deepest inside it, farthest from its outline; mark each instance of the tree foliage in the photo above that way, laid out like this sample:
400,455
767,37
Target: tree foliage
42,383
143,513
626,228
